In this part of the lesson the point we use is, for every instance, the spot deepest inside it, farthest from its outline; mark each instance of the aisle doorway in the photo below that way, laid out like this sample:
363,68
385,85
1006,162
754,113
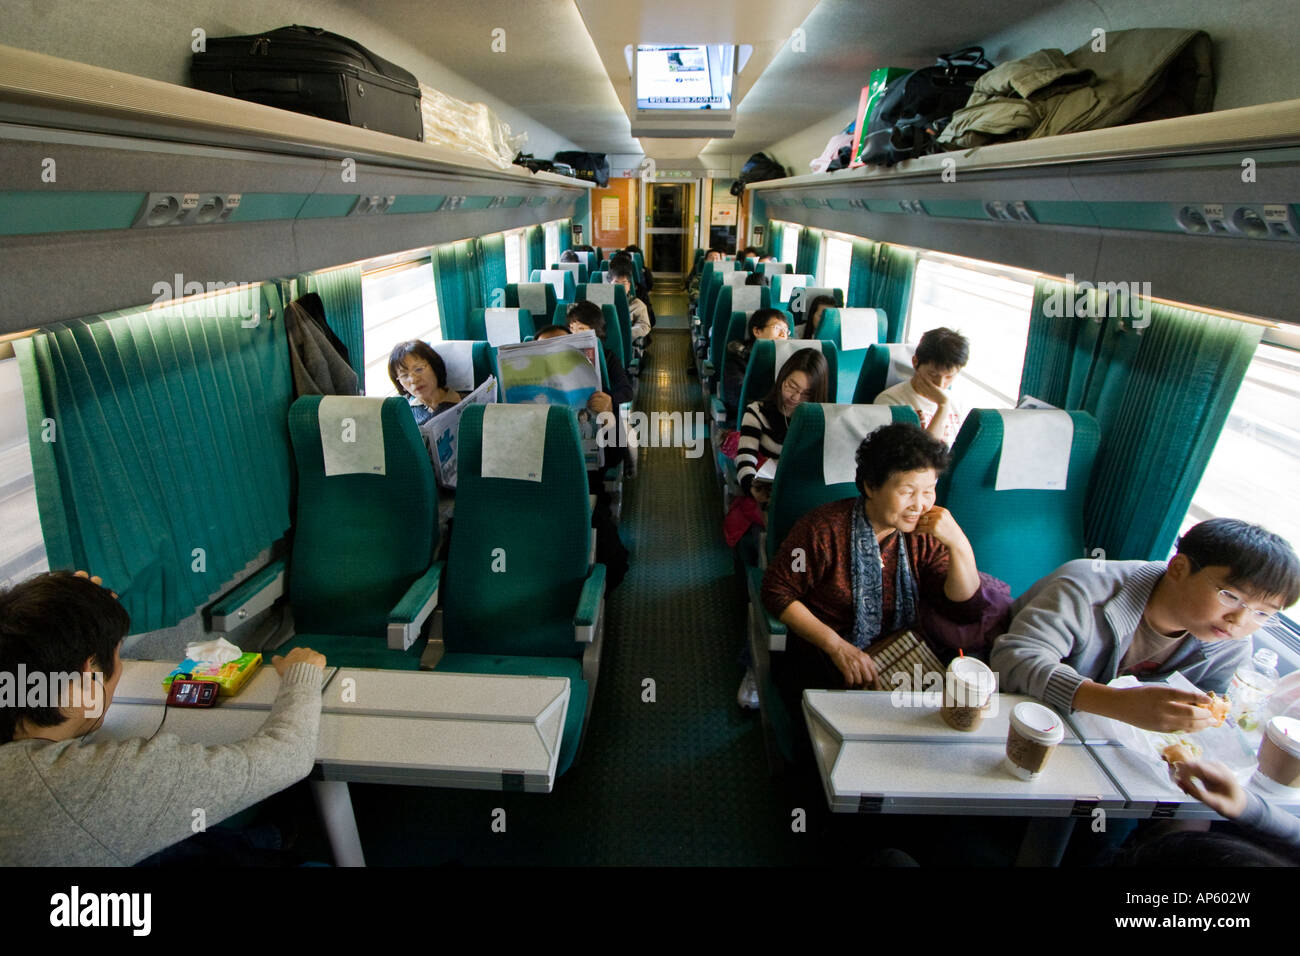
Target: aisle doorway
668,231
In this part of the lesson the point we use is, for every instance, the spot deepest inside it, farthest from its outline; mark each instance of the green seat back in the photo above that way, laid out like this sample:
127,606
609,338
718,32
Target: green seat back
831,329
773,268
613,337
800,483
579,270
885,365
724,305
482,355
761,372
359,540
709,287
568,280
519,552
477,326
783,286
537,297
604,294
1020,535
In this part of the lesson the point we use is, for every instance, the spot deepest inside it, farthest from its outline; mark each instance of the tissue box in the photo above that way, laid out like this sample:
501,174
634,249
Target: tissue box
231,676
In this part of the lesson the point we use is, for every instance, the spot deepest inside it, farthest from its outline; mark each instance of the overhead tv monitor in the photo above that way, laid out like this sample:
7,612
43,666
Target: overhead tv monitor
684,76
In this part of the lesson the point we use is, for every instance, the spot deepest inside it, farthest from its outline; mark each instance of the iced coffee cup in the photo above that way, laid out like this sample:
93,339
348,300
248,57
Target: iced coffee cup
967,687
1279,757
1035,731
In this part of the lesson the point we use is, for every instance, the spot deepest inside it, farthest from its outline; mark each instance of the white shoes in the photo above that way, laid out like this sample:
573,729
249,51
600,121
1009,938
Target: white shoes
747,695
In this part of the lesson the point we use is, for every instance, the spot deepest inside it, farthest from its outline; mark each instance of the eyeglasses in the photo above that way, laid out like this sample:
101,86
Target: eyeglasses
791,389
405,375
1231,599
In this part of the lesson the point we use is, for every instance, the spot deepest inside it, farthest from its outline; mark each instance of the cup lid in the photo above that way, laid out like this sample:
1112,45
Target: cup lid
972,673
1037,722
1285,734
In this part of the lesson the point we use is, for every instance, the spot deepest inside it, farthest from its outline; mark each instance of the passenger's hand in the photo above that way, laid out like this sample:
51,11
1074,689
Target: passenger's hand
94,579
1213,784
1162,709
600,402
928,390
858,668
940,523
299,655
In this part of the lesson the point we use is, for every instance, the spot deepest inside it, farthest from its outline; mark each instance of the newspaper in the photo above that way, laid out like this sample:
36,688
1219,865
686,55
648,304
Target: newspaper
442,430
564,370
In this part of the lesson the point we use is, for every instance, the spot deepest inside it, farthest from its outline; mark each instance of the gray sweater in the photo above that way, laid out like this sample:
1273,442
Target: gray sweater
1077,623
1263,819
113,803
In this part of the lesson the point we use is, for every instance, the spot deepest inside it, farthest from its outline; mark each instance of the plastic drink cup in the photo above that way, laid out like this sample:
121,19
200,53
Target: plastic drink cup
1279,757
967,688
1034,733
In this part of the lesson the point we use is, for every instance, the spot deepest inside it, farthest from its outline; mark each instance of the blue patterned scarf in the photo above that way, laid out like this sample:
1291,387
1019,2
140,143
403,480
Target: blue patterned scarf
868,582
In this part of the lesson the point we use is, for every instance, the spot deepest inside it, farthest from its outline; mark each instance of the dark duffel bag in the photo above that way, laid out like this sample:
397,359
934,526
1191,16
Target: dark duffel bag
593,167
915,108
758,168
308,70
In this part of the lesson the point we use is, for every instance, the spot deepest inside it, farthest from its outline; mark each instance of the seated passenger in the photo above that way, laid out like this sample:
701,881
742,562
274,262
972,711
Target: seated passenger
818,305
620,273
763,324
853,571
756,279
69,802
420,376
939,356
551,331
584,315
1091,621
693,280
569,255
1215,785
802,379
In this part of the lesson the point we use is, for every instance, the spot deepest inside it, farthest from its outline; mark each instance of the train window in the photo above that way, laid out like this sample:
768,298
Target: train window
790,243
22,546
400,303
515,256
552,233
836,256
1251,474
987,303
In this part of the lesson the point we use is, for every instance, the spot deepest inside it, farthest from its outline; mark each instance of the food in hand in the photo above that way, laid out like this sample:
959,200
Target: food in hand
1219,707
1182,751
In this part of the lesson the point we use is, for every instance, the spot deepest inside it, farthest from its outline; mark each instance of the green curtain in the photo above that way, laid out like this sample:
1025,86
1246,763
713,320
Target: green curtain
857,295
536,250
1166,398
160,447
774,236
340,291
892,269
457,279
1065,340
565,234
492,270
757,217
809,251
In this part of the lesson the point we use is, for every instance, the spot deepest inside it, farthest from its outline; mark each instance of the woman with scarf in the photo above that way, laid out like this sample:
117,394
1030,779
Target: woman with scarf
853,571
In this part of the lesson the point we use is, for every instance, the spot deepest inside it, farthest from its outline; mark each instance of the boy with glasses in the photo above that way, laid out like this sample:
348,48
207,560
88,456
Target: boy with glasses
1089,622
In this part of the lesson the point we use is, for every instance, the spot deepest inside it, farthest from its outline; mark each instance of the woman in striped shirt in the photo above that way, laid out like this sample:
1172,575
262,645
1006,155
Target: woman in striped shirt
803,378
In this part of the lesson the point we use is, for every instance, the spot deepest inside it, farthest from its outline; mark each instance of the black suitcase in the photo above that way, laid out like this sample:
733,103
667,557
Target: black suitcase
593,167
308,70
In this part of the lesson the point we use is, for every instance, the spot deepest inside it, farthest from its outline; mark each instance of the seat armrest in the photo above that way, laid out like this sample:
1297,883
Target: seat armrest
719,409
407,619
262,589
772,628
590,603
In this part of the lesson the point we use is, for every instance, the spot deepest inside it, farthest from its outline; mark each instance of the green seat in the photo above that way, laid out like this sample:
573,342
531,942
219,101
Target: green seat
613,336
884,367
800,300
477,327
483,359
773,268
579,269
1018,535
537,297
872,325
361,576
522,595
558,279
744,298
801,485
783,286
610,293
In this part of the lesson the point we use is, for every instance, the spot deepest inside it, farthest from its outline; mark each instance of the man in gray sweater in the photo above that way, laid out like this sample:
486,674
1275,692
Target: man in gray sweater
113,803
1089,622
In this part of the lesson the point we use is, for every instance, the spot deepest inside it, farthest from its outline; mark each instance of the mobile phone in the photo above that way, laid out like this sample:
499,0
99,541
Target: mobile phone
186,692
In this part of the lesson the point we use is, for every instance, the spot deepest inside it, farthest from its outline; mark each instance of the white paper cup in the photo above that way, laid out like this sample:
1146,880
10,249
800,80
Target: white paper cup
1034,733
967,688
1279,757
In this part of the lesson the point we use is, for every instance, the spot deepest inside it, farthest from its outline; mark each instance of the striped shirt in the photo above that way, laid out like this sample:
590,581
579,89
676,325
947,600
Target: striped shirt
762,432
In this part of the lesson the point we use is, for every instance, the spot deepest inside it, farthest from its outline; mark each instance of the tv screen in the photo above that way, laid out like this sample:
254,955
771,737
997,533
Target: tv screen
684,76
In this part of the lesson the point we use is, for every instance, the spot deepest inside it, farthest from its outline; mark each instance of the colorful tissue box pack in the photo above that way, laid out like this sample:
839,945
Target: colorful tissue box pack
231,676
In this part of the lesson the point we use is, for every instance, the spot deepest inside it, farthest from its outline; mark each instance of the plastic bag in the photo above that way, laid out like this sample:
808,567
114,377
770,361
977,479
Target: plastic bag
468,127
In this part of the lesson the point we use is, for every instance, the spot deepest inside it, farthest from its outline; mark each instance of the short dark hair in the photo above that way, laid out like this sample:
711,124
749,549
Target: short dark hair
52,624
755,278
744,253
633,248
759,321
421,350
813,364
568,255
818,301
714,252
547,330
1254,557
621,269
944,348
589,314
899,446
